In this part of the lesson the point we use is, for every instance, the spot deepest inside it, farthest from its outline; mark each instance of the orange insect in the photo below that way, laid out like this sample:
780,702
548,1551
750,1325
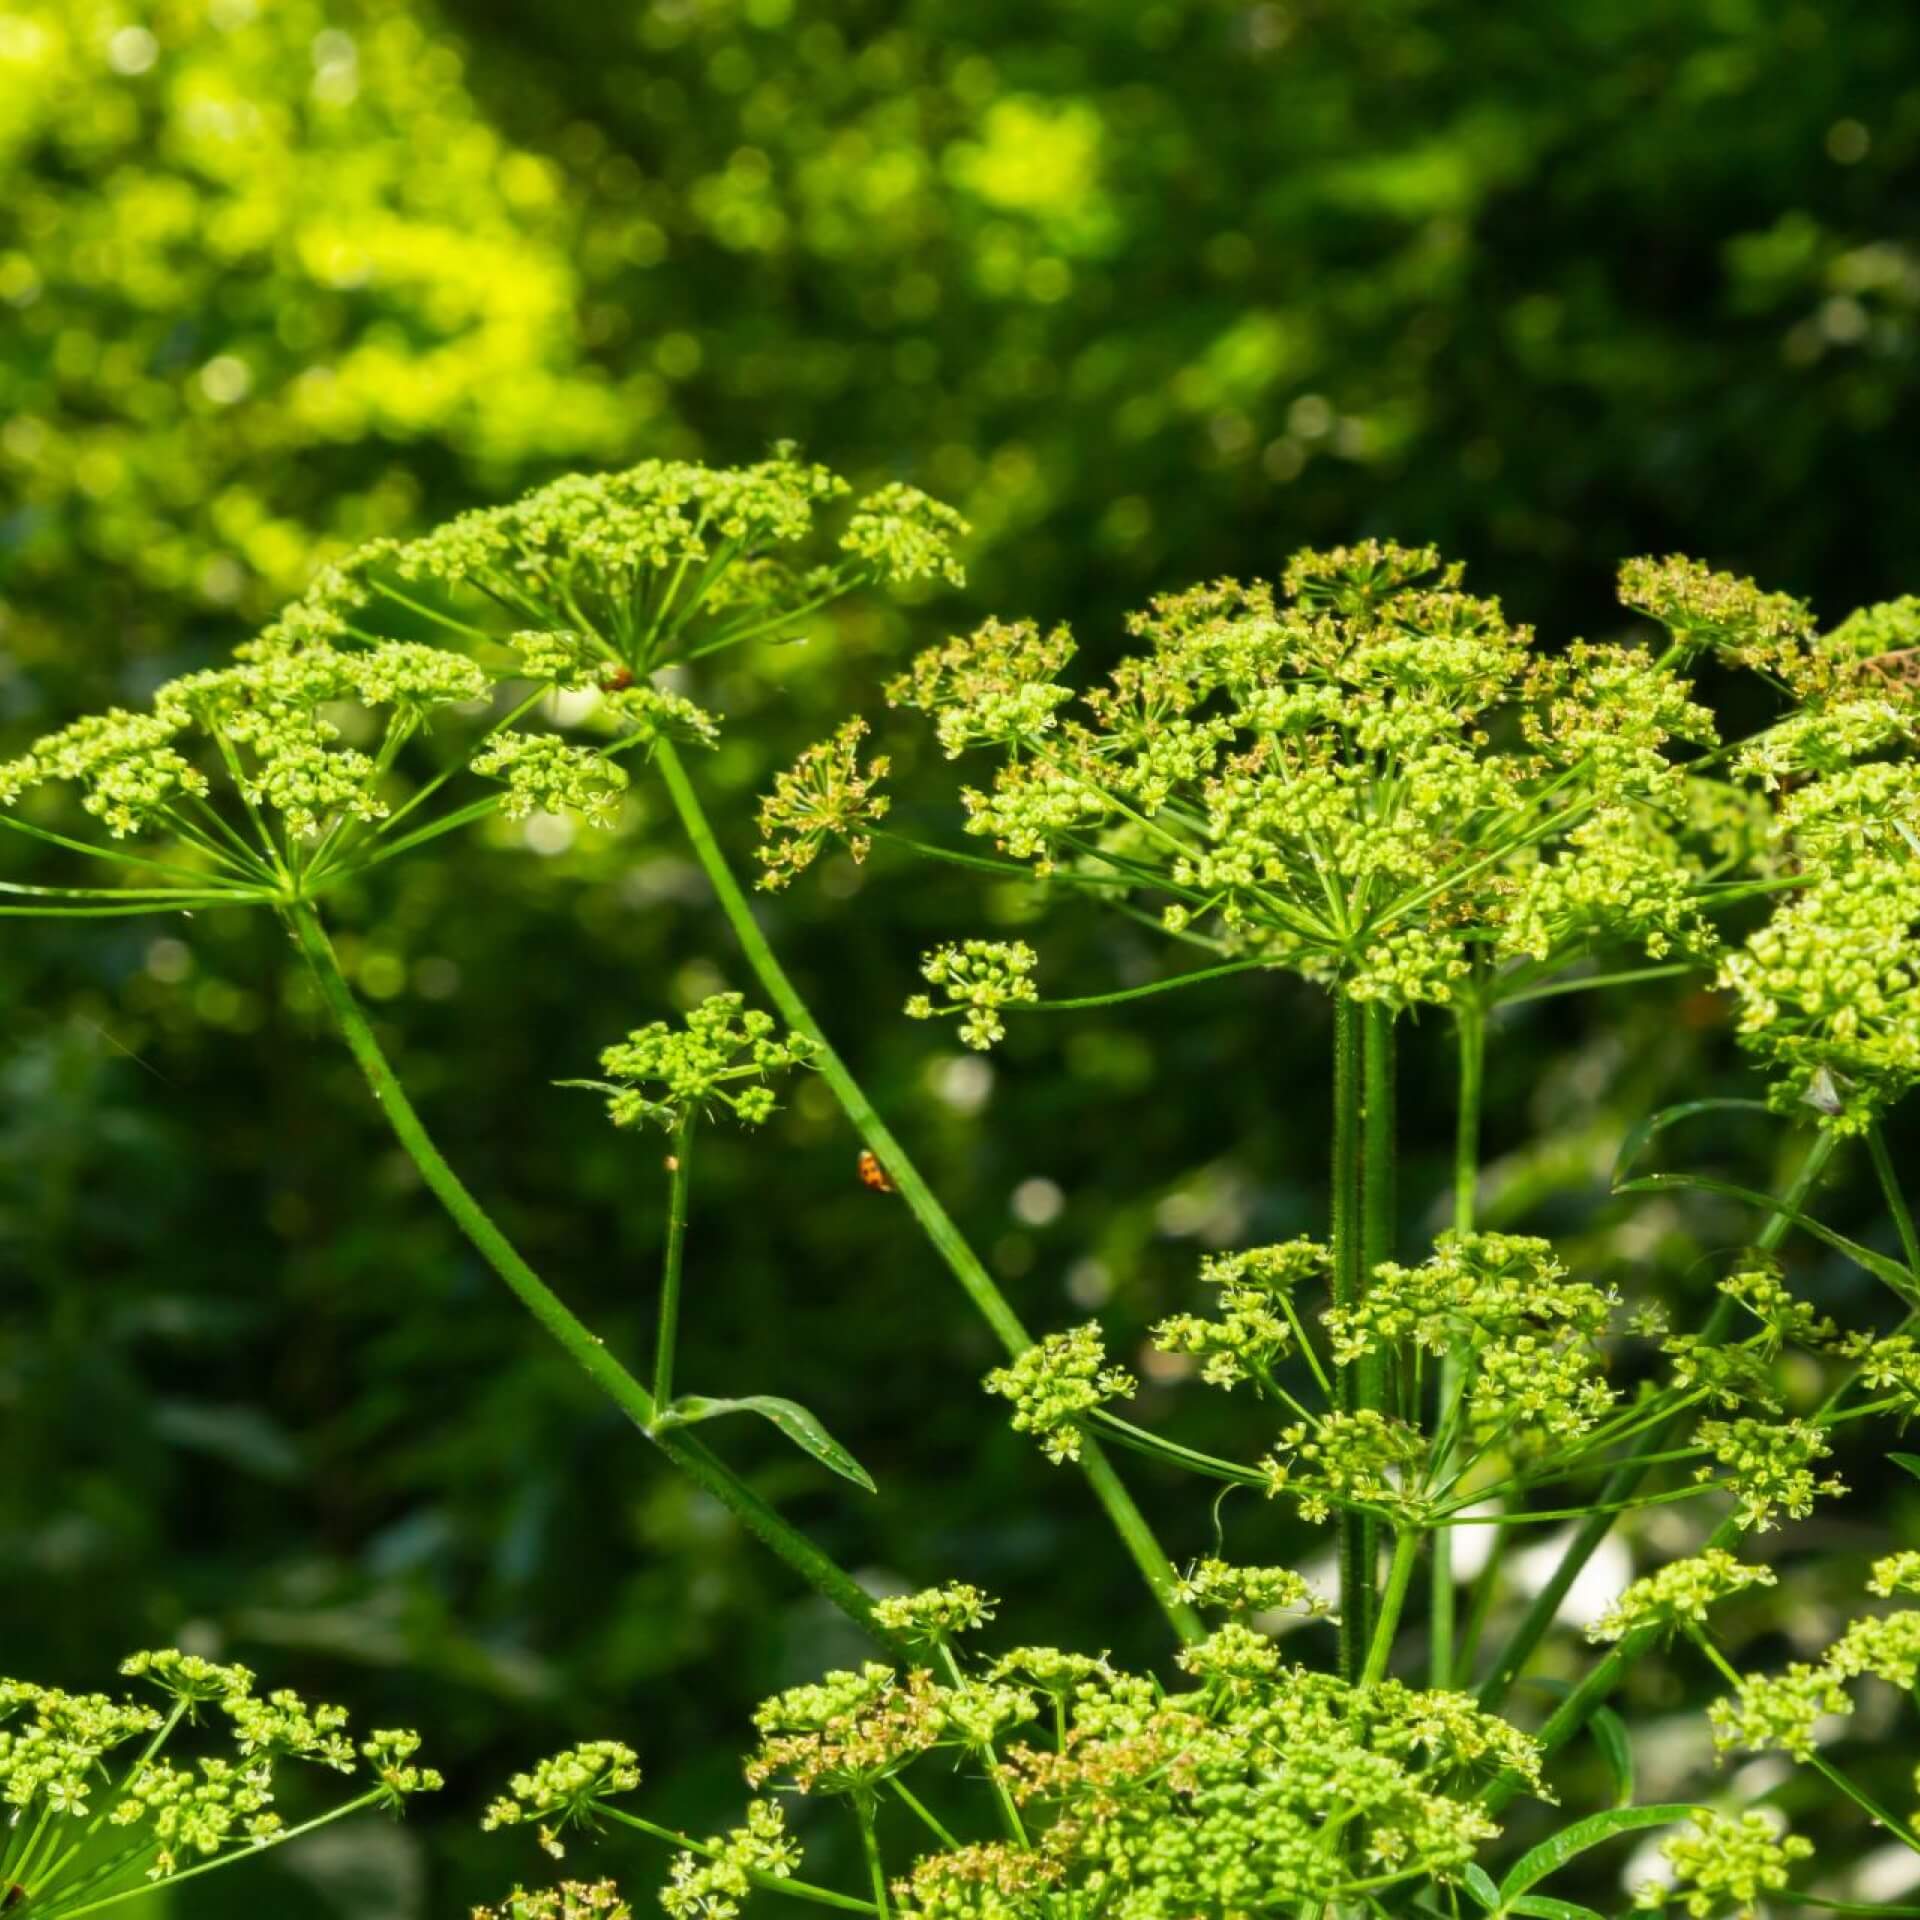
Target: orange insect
872,1173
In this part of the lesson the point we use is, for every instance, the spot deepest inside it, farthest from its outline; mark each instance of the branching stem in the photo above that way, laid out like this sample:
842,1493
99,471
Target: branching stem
945,1237
586,1349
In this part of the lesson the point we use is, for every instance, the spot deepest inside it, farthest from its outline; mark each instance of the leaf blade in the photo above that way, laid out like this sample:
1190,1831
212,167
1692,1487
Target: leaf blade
1610,1736
1884,1269
796,1422
1554,1853
1643,1131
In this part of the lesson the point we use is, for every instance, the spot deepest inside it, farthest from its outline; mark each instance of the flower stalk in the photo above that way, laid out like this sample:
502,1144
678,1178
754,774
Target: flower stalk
586,1349
935,1222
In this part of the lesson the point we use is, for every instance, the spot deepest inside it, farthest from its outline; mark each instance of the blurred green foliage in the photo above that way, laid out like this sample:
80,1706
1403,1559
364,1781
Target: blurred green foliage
1152,292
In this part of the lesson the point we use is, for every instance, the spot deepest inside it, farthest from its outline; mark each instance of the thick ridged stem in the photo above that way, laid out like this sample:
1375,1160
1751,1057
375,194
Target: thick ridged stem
1470,1035
1348,1286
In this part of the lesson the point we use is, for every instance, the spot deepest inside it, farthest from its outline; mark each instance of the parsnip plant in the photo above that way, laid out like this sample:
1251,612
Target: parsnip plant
1364,776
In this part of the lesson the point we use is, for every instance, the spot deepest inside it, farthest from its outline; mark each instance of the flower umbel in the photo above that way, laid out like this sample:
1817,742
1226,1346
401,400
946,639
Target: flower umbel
977,978
723,1056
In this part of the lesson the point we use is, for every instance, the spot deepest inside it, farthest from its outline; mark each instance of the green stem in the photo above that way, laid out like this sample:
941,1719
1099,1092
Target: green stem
1348,1269
1895,1197
586,1349
1193,979
768,1882
1379,1199
946,1238
1818,1761
921,1812
1470,1034
1393,1597
249,1852
679,1181
1590,982
1619,1490
870,1847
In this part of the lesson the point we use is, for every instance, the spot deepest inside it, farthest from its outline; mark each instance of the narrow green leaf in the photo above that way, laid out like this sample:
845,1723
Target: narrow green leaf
1910,1462
1843,1906
1884,1269
1480,1884
1551,1855
1539,1907
1636,1141
1610,1736
800,1426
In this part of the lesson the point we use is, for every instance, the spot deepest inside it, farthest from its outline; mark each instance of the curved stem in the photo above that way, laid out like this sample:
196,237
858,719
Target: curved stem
962,1262
679,1179
586,1349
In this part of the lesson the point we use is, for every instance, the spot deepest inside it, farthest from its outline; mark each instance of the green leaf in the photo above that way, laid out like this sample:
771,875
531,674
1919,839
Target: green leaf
1539,1907
1909,1461
800,1426
1551,1855
1480,1884
1842,1906
1610,1736
1886,1270
1636,1141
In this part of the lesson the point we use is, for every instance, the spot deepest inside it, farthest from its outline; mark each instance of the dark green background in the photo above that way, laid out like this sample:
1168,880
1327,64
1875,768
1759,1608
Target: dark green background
1546,284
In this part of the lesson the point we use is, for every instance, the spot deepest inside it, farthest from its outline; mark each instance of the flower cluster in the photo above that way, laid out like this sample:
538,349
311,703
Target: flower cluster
57,1785
1768,1466
571,1900
1781,1711
612,576
1506,1304
1369,776
1258,1786
1217,1587
1725,1864
976,979
846,1733
1364,1458
713,1883
270,730
1829,994
545,774
934,1616
1055,1385
1703,609
824,797
1249,1330
724,1054
567,1789
1897,1573
1679,1594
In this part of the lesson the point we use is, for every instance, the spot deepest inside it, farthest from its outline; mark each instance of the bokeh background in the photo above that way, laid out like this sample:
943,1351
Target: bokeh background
1154,291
